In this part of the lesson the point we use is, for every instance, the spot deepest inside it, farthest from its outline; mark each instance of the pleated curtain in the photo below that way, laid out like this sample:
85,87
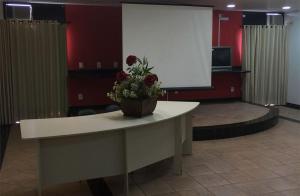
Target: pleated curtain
265,55
6,90
36,69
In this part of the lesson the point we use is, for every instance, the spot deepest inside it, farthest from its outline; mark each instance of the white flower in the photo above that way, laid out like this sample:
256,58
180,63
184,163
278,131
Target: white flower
126,93
134,86
132,94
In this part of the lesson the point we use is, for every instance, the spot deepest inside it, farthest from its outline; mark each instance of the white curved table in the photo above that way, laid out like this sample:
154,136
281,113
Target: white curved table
109,144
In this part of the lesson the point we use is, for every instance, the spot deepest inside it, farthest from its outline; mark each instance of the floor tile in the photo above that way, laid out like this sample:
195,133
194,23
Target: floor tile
156,187
195,193
183,183
227,190
254,188
198,170
260,173
285,170
294,192
281,184
237,176
209,180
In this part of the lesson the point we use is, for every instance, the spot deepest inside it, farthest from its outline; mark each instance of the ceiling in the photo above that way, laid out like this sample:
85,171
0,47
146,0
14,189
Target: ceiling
251,5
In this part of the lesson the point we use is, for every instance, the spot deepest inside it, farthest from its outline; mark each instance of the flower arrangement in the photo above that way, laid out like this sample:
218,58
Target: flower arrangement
139,83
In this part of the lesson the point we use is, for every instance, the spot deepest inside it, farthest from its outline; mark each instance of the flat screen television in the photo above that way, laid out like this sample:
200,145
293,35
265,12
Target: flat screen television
221,57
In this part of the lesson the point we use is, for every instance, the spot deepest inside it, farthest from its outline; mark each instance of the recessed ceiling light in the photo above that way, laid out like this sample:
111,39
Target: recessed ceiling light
231,5
17,5
286,7
273,14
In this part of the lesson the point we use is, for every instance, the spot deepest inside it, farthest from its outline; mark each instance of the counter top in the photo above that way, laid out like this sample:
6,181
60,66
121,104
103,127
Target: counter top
67,126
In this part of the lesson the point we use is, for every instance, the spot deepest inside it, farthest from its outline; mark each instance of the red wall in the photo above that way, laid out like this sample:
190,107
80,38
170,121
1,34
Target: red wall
94,34
231,33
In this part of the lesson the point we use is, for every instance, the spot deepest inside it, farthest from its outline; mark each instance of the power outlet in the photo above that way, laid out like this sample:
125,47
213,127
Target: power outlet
232,89
116,64
99,65
80,65
80,96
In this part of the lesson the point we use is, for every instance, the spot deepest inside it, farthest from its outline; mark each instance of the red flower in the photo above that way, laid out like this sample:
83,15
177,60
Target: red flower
131,59
150,79
121,76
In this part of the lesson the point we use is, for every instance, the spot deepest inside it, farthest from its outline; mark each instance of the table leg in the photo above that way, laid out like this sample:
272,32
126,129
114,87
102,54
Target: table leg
178,146
126,180
187,145
126,185
39,183
39,190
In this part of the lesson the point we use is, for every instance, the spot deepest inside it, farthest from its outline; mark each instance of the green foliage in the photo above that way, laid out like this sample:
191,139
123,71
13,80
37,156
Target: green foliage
140,69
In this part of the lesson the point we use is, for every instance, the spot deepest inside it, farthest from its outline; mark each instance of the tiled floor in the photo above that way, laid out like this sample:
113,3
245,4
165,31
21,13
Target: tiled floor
264,164
289,112
18,173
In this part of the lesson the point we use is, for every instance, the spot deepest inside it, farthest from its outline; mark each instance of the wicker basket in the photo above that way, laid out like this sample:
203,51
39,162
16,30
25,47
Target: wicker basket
138,107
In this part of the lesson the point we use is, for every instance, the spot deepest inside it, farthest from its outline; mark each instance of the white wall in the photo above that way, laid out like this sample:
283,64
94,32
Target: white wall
294,59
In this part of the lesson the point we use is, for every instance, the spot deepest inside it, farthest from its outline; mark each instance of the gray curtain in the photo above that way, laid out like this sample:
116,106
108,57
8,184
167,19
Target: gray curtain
265,54
37,70
6,90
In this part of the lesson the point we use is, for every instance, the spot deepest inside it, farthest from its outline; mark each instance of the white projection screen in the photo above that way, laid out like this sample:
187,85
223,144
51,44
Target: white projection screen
177,40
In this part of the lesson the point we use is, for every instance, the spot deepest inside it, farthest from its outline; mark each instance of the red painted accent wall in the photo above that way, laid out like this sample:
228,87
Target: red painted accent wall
94,33
231,33
92,88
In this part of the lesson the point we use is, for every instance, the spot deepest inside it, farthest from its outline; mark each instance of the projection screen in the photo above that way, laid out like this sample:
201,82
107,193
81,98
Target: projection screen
177,40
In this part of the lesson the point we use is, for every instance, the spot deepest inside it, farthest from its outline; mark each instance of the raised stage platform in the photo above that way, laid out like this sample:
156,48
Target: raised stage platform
225,120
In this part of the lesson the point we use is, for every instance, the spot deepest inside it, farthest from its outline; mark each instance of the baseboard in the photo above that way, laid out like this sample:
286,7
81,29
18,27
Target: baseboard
292,105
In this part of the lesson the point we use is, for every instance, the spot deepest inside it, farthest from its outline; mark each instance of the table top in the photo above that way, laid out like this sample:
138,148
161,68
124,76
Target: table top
67,126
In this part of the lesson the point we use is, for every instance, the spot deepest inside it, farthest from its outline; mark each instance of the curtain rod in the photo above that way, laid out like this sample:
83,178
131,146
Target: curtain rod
263,26
32,21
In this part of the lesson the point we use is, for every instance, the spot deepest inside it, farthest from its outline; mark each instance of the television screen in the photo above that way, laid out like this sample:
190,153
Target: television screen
221,57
